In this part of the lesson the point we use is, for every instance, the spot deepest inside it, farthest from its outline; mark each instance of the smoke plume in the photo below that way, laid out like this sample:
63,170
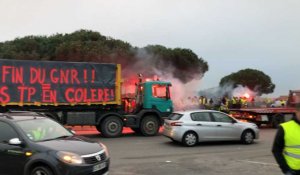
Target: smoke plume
228,90
150,66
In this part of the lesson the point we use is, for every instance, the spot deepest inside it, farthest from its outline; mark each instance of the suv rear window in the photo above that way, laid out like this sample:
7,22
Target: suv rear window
175,116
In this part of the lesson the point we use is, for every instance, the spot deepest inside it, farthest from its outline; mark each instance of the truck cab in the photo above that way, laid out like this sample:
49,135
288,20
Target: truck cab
155,95
152,105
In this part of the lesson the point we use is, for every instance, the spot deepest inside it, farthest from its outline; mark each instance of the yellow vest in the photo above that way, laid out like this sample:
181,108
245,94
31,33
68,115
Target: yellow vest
38,134
233,101
200,101
291,150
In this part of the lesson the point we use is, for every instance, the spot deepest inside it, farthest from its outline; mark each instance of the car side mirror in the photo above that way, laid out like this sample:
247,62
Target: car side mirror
15,141
233,122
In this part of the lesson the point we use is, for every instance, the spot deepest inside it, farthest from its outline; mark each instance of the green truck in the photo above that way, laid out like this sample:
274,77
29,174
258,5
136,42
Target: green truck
81,93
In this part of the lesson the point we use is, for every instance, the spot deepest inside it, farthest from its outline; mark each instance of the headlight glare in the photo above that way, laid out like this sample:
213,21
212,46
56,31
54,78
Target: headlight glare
69,157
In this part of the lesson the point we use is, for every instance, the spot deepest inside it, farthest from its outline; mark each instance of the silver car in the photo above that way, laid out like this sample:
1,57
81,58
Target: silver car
191,127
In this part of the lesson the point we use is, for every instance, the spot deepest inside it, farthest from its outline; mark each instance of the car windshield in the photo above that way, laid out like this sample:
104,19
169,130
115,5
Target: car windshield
175,116
42,129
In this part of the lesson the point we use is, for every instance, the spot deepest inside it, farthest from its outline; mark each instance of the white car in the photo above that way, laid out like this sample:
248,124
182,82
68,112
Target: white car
191,127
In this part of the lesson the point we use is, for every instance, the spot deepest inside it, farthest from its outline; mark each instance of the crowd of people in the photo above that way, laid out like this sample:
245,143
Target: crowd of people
225,103
219,103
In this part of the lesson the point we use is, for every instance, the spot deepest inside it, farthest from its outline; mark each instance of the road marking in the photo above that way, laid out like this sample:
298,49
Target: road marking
262,163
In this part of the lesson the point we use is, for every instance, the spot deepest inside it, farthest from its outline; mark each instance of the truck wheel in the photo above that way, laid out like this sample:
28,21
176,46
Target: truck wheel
149,126
247,137
190,139
111,126
41,170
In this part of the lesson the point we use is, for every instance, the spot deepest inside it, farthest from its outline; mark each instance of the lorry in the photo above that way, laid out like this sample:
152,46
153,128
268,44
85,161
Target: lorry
83,93
271,116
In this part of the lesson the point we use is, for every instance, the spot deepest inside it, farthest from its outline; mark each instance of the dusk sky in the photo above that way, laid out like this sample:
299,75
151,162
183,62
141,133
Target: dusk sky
229,34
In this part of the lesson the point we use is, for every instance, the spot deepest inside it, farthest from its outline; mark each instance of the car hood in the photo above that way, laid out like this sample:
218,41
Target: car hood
75,144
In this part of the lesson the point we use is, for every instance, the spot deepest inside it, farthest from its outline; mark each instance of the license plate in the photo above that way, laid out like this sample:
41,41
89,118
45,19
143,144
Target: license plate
99,166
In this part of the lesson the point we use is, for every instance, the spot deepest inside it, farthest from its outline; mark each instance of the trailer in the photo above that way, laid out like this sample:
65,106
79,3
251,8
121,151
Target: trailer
271,116
83,93
268,116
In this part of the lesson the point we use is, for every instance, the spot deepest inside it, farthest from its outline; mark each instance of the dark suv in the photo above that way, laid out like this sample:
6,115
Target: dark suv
31,144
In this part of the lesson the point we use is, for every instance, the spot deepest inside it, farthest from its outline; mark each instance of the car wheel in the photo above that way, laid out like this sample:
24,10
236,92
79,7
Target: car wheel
190,139
247,137
112,126
41,170
149,126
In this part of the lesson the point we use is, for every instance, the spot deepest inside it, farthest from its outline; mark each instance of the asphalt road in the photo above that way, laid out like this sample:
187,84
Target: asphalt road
137,155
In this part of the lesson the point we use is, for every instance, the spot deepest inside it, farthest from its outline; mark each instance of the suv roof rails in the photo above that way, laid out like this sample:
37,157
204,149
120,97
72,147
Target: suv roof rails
9,114
6,116
23,112
17,111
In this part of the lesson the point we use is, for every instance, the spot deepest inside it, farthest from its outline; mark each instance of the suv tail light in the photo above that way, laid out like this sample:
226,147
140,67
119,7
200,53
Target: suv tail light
176,123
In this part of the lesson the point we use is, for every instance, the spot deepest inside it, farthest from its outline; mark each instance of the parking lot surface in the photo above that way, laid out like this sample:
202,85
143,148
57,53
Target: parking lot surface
136,155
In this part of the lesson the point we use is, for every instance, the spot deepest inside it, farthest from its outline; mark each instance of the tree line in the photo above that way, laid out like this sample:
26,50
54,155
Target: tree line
90,46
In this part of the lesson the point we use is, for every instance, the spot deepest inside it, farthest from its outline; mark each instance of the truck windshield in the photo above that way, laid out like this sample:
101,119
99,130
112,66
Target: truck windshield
42,129
159,91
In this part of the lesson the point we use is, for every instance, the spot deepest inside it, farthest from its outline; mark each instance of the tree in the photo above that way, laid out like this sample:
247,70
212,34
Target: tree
255,80
185,63
90,46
